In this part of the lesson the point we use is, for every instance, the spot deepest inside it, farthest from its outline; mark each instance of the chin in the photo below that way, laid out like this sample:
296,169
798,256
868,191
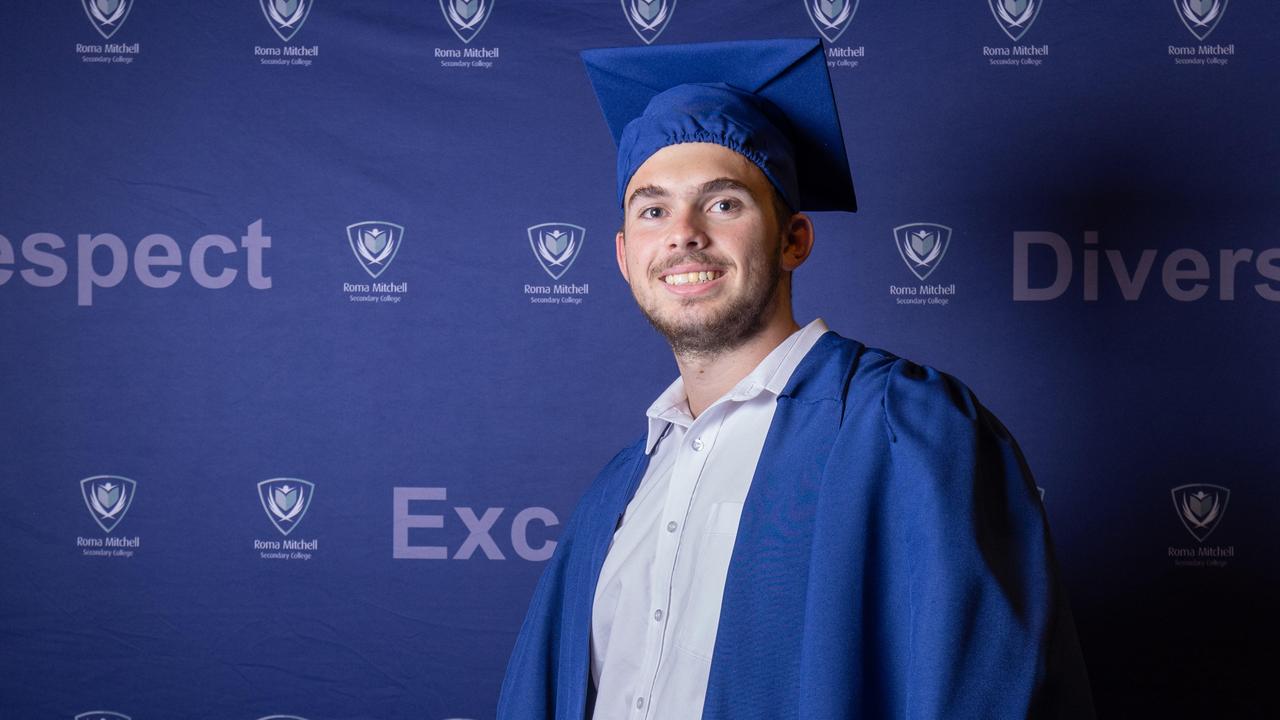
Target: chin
706,333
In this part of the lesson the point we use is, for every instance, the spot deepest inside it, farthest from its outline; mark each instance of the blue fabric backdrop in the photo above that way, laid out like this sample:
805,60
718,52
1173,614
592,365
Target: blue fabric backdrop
317,475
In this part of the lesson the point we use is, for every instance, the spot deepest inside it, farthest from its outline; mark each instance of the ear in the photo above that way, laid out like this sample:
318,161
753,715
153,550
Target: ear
797,241
621,250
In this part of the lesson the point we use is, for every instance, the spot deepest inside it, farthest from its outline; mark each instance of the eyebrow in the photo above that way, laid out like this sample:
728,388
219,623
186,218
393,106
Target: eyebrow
711,186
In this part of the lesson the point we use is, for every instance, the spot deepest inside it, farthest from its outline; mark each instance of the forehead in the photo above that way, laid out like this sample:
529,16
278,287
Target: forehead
686,166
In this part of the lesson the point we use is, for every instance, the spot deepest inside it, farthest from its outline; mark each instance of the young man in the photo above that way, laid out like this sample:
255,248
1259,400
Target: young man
810,528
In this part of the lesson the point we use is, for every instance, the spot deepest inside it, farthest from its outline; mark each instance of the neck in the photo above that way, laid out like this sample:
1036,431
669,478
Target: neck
708,377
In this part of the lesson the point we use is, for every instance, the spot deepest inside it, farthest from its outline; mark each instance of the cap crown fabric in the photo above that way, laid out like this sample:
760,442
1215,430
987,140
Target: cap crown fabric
769,100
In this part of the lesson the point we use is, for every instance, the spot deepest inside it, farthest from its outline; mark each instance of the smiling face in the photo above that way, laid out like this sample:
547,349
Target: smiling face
703,248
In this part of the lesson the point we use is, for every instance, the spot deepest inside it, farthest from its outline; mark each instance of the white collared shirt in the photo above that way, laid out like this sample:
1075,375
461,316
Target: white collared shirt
657,602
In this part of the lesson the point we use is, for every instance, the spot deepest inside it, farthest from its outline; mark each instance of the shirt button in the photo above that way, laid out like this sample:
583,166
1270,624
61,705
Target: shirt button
698,444
671,526
657,615
640,702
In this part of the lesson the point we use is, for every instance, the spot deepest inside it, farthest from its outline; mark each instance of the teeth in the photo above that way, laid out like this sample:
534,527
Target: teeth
692,277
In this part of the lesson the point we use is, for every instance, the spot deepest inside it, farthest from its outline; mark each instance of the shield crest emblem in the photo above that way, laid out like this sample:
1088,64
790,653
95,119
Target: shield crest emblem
1200,507
286,501
108,498
375,243
922,246
107,16
648,18
1200,16
286,16
101,715
466,18
831,17
1015,16
556,246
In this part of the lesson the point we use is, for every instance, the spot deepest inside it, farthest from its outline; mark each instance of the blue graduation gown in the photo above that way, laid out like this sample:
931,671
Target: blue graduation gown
892,561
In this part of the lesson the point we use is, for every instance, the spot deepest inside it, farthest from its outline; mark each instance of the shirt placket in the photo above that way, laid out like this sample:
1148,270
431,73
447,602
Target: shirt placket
690,462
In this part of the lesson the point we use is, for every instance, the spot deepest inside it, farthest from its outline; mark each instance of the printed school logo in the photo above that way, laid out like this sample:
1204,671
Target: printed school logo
648,17
375,244
1200,507
831,17
102,715
107,15
108,498
922,246
1200,16
286,501
286,16
556,245
466,17
1015,16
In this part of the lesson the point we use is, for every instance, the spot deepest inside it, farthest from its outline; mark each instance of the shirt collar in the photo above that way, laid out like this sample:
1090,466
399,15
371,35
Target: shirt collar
771,375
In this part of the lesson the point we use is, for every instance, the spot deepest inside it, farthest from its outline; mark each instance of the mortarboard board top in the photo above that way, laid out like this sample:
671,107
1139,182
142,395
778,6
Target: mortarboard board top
770,100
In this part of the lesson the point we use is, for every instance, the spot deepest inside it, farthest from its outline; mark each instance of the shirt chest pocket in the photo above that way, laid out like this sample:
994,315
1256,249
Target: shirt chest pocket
710,553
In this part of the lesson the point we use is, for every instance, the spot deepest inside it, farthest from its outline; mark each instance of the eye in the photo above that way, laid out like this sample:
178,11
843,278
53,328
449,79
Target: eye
725,205
651,213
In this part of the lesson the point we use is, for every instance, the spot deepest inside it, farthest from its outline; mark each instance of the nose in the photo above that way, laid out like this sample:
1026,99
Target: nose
686,232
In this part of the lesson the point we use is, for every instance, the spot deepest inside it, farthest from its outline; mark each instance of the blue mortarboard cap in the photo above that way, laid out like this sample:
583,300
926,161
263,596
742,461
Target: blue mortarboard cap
769,100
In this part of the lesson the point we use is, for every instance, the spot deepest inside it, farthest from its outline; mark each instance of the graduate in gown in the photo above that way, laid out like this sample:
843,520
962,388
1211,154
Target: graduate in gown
891,558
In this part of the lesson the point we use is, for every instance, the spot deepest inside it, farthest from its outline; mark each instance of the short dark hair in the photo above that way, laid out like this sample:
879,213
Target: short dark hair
782,212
